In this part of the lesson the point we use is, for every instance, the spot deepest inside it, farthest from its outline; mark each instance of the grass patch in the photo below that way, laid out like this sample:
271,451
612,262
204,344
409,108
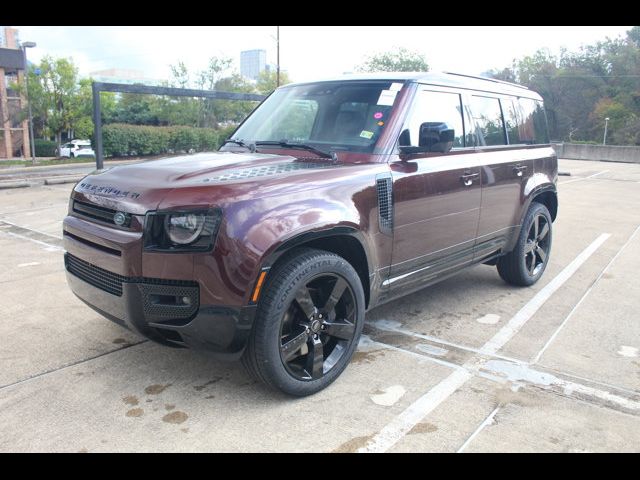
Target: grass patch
49,162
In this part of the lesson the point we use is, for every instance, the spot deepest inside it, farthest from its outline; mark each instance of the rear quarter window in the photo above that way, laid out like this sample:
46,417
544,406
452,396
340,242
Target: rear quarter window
533,126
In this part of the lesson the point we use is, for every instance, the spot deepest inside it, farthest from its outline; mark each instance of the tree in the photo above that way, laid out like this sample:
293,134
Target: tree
397,60
583,87
267,80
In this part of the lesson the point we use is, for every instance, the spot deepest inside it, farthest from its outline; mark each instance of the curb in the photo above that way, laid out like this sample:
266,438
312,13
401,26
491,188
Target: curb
7,185
60,181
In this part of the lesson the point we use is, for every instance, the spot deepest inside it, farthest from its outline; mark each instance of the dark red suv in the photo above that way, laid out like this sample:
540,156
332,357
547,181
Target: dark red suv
331,198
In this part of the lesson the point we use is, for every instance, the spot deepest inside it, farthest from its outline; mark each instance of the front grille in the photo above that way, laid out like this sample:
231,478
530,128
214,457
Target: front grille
96,276
96,212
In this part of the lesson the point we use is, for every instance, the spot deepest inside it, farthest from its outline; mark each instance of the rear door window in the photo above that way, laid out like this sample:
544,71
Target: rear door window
488,122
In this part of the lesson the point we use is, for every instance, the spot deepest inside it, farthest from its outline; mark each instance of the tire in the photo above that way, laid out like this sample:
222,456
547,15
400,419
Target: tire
309,320
526,263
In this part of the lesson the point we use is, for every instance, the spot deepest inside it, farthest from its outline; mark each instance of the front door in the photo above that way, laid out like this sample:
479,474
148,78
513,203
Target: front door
436,195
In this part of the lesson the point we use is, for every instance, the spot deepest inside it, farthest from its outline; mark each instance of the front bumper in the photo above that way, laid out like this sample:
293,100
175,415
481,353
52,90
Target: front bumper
165,311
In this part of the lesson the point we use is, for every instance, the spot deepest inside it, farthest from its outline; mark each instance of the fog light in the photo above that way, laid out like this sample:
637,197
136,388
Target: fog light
186,300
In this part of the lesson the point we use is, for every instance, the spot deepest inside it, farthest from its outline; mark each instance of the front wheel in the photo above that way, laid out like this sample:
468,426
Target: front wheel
526,263
309,320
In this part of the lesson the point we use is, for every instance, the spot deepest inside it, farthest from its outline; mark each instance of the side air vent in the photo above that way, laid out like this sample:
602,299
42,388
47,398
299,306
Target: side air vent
384,187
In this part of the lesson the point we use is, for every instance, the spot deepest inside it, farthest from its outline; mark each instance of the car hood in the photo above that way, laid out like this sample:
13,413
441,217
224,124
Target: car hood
141,187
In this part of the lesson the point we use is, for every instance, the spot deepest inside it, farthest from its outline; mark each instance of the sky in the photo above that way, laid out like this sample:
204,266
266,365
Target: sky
306,53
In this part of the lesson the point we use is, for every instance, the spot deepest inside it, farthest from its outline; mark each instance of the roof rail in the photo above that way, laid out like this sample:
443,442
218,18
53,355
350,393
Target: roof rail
487,79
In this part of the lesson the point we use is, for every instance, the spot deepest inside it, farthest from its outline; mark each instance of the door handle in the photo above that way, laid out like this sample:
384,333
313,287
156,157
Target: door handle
468,178
519,170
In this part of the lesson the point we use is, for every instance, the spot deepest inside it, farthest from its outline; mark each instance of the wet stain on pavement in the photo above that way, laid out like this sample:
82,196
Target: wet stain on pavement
130,400
135,412
351,446
209,397
424,427
119,341
156,389
366,357
210,382
176,417
184,430
169,406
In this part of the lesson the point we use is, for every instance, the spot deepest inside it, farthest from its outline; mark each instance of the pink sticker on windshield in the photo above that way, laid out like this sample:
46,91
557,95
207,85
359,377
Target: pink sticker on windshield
377,115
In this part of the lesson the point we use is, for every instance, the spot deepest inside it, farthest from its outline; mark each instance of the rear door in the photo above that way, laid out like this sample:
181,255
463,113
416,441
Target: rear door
506,168
436,196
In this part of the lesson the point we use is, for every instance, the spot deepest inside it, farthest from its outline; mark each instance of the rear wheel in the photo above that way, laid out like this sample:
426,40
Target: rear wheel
309,320
526,263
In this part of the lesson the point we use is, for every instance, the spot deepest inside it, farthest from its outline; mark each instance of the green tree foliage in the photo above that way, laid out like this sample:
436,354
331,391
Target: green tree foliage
583,88
397,60
267,81
62,103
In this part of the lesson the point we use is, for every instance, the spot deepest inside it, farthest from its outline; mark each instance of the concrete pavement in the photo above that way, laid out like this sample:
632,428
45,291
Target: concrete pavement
429,374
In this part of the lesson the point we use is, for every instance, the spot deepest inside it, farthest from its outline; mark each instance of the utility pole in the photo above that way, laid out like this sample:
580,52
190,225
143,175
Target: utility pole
277,56
24,46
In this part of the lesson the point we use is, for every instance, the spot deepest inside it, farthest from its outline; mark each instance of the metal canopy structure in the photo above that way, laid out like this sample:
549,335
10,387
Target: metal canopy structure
98,87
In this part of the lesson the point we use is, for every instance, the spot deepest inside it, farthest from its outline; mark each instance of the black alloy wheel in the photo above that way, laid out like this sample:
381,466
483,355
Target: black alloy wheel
526,263
318,327
309,320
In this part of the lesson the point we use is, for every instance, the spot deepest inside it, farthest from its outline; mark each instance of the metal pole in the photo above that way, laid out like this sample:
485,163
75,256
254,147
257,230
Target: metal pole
606,124
278,56
26,91
97,125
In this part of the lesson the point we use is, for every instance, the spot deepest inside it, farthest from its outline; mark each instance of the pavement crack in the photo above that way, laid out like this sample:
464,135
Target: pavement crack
73,364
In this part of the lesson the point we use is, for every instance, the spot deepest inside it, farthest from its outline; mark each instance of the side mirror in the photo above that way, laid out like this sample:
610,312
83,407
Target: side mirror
434,137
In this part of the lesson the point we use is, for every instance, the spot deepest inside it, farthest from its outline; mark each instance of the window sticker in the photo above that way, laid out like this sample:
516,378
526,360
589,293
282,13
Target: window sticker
377,115
387,97
366,134
395,87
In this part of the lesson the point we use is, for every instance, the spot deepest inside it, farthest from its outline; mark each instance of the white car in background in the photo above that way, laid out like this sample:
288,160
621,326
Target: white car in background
76,148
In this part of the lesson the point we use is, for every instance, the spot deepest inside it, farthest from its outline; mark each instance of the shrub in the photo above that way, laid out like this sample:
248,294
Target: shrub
45,148
225,132
120,139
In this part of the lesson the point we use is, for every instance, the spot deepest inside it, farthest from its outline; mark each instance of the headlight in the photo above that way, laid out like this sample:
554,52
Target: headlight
180,231
184,229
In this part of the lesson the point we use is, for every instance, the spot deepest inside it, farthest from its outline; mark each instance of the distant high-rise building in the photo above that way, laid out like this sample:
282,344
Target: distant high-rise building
252,63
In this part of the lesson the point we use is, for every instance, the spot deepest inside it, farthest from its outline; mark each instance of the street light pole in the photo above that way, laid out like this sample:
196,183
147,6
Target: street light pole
606,124
26,45
277,56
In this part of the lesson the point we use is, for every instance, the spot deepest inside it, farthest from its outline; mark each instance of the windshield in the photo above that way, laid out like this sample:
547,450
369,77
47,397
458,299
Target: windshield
330,116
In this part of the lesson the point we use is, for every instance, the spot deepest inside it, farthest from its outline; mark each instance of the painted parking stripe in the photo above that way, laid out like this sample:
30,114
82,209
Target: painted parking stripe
536,359
403,423
487,421
585,178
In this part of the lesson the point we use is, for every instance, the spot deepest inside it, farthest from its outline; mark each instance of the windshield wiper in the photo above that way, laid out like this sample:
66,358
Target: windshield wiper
251,146
301,146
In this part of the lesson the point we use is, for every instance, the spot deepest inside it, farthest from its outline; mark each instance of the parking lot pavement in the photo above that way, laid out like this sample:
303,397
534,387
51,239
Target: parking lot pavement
470,364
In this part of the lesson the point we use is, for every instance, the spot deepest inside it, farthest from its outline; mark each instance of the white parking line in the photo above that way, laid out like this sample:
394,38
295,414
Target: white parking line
584,178
412,415
487,421
32,229
48,246
536,359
